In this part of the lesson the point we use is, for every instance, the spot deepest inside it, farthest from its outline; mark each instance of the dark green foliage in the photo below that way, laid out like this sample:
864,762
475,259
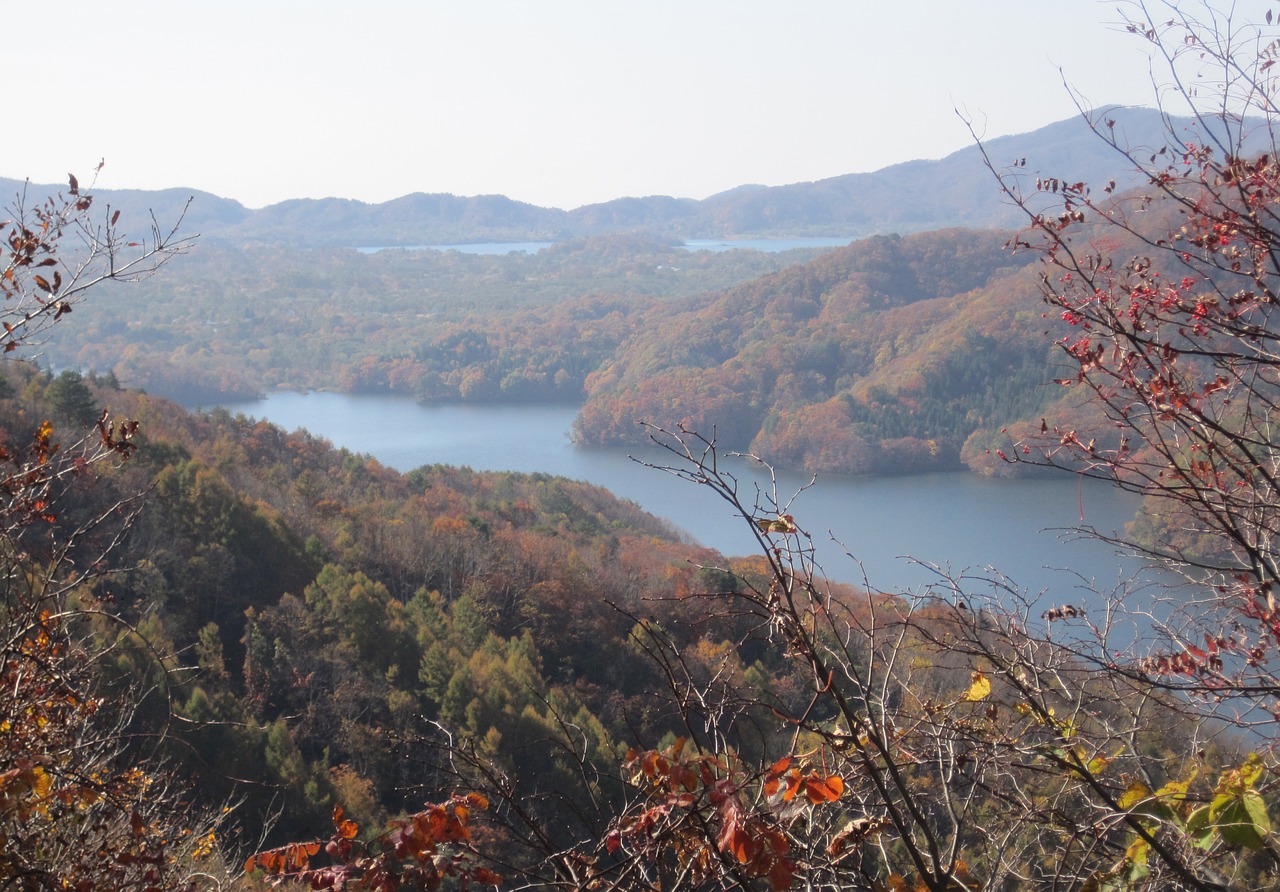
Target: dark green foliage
71,398
308,610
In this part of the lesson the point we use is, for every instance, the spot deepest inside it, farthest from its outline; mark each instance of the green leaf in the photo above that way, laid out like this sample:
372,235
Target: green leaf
1238,828
1257,811
1199,828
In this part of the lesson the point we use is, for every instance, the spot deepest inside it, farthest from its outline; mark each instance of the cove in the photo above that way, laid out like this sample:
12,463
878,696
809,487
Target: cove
957,521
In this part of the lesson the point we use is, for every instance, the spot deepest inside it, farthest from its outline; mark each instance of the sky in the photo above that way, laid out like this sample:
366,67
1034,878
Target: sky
558,104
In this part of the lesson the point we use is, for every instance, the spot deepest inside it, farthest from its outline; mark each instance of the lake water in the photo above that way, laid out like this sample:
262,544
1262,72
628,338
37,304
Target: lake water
764,244
955,520
693,244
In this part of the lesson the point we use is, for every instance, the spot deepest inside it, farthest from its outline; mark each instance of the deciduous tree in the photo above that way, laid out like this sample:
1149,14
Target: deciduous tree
77,808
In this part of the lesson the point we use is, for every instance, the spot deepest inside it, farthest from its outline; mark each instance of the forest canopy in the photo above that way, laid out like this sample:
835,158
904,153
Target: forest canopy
236,656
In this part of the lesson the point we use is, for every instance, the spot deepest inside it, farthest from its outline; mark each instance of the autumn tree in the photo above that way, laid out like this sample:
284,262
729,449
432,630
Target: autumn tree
969,735
1170,292
1171,295
77,807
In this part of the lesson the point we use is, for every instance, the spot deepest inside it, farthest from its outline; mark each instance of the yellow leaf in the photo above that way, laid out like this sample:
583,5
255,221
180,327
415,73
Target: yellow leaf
783,524
1251,770
1099,763
1176,790
1137,851
980,689
1136,792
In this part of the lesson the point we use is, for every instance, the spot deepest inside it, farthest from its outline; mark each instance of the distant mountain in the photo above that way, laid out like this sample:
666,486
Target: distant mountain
205,212
913,196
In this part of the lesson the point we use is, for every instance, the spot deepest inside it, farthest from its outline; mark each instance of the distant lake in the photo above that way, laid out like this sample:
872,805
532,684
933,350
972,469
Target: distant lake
956,520
764,244
695,244
474,248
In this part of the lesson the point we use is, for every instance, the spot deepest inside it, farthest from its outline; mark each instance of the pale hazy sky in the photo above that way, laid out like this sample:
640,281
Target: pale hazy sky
558,103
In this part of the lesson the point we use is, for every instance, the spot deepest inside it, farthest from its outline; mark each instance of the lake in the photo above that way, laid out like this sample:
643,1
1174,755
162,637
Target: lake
955,520
693,244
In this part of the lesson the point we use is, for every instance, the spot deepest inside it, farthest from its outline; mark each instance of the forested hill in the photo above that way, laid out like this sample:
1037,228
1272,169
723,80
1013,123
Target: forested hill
886,355
297,609
914,196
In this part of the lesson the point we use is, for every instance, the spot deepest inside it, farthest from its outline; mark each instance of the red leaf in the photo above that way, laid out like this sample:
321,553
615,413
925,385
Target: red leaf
486,876
737,842
781,874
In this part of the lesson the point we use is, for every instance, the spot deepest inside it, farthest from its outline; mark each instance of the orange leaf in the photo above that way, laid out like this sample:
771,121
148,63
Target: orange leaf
772,778
780,767
823,789
740,844
299,855
343,828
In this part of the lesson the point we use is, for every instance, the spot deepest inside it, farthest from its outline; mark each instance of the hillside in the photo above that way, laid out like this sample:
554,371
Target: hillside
303,607
889,355
883,356
229,321
909,197
225,640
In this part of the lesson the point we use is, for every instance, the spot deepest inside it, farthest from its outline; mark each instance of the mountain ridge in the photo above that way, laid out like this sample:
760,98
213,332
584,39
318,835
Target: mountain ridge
909,196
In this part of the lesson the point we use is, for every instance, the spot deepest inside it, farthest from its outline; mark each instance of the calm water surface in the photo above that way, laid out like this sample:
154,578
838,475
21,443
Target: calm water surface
955,520
693,244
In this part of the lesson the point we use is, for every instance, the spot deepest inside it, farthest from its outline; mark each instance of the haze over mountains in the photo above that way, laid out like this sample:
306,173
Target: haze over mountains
909,197
903,350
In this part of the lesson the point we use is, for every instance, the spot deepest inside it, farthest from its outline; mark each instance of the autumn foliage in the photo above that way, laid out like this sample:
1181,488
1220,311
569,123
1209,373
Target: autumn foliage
585,700
1170,295
76,811
693,795
420,851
